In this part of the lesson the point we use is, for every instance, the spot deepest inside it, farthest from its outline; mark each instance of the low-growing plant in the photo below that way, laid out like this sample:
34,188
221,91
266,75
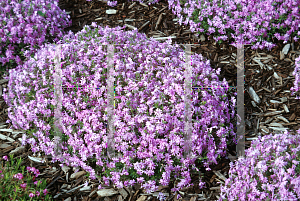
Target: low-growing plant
18,184
247,22
149,107
25,25
269,171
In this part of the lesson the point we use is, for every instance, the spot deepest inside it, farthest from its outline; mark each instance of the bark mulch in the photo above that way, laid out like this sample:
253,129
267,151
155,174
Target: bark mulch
269,106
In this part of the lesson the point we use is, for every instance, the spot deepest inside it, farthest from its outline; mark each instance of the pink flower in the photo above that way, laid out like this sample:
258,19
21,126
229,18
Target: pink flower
31,195
45,191
23,185
18,176
37,193
5,158
33,170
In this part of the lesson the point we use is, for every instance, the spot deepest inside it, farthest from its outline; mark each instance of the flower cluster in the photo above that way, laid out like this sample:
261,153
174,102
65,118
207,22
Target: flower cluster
18,176
15,185
269,171
33,170
25,25
149,107
247,22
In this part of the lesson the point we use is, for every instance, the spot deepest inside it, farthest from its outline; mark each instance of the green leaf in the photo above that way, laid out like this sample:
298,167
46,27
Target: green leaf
41,13
220,42
70,149
239,6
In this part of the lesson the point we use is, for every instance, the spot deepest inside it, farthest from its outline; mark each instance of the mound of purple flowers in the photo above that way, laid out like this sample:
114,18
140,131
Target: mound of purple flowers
26,25
247,22
270,171
149,108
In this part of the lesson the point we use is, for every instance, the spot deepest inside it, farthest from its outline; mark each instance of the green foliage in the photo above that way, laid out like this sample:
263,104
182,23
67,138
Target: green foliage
10,187
157,173
163,121
64,137
41,13
249,16
70,150
297,169
30,132
224,96
51,136
132,174
289,165
30,96
220,42
239,7
157,105
80,123
176,161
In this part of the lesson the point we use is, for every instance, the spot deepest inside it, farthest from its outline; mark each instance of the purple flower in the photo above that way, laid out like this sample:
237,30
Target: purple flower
29,168
279,162
161,196
18,176
31,195
140,179
119,184
45,191
5,158
23,185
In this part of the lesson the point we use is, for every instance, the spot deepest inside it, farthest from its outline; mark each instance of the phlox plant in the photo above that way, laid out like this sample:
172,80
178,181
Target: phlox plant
149,108
25,25
18,184
270,170
254,22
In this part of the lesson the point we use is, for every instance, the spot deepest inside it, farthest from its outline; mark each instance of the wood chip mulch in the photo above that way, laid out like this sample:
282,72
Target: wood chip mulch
269,106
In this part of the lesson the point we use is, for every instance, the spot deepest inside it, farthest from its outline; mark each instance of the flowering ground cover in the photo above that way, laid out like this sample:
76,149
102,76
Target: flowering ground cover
250,22
39,134
270,170
144,129
25,26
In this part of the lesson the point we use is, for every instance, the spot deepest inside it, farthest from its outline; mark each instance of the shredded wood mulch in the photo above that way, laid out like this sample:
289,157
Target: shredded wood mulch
269,106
